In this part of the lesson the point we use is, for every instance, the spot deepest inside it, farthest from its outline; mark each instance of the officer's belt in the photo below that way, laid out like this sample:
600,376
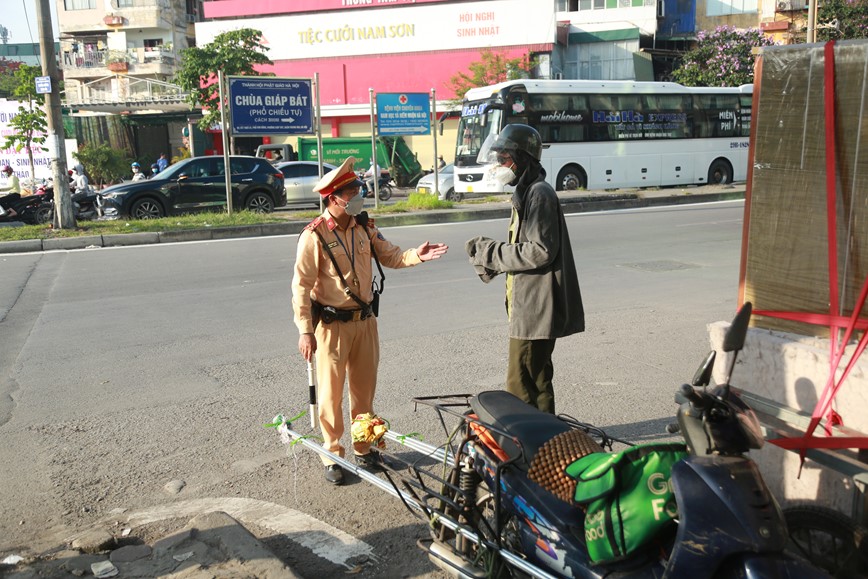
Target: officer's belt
330,314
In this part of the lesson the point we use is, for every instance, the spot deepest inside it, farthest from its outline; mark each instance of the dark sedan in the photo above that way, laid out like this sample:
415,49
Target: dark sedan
197,184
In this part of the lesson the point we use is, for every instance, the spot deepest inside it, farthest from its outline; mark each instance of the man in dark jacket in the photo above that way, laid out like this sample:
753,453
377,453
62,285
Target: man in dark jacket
543,300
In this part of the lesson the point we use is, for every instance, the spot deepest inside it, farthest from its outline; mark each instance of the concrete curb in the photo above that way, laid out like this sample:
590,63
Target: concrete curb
578,204
124,239
72,242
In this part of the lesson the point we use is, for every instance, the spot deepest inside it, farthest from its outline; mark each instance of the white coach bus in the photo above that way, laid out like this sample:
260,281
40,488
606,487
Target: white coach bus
612,134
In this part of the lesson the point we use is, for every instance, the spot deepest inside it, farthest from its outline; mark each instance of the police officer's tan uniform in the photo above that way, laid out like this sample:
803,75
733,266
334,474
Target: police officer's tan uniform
344,349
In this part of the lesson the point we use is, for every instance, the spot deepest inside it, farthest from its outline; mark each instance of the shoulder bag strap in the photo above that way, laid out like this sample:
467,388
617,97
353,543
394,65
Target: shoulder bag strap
347,289
362,219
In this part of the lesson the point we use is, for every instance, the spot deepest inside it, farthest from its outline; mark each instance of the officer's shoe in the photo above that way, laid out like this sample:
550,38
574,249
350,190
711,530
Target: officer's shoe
371,462
334,474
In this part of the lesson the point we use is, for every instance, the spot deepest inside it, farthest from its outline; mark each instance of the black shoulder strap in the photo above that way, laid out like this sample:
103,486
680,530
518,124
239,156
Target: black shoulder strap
362,219
347,289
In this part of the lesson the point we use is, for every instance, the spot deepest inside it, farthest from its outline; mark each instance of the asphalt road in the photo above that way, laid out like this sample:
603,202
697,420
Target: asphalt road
123,369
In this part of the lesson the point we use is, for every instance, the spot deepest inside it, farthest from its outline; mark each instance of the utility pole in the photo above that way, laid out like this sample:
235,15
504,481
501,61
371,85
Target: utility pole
64,218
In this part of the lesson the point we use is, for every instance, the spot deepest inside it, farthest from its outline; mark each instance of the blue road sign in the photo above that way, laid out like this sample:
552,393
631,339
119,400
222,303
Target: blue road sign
267,105
406,113
43,85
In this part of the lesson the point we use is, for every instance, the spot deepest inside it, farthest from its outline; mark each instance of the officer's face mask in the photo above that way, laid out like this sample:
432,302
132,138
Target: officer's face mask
353,206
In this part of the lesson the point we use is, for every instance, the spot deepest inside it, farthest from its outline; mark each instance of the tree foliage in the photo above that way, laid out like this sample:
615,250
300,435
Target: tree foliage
492,67
8,81
842,19
102,163
236,52
29,125
722,57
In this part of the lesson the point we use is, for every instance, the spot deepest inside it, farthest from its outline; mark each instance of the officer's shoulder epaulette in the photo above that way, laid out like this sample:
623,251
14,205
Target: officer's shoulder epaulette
313,224
371,223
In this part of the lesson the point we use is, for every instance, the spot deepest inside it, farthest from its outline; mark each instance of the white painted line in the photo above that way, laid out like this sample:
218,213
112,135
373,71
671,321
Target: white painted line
324,540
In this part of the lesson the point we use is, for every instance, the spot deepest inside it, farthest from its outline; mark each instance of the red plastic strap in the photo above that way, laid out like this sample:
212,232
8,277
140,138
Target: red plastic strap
814,319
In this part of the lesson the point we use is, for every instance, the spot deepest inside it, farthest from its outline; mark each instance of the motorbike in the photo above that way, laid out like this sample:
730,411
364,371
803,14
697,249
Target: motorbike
501,497
84,203
30,209
384,185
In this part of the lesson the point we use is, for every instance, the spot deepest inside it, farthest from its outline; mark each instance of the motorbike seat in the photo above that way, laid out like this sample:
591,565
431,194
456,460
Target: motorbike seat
527,424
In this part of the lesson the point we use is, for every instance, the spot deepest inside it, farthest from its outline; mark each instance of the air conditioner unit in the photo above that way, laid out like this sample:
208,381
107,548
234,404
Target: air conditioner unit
789,5
190,18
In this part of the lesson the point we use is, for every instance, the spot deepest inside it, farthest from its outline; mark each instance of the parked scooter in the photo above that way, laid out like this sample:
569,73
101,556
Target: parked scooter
510,499
523,492
384,185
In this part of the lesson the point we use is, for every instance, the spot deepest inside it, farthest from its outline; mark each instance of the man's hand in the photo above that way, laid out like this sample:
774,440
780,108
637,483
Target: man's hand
307,346
472,245
428,251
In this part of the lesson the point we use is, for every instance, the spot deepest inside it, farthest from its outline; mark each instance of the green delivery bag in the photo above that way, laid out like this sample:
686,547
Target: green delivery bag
628,495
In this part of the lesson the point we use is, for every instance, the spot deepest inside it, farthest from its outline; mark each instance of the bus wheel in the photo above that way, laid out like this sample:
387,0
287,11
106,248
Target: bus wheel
720,173
571,178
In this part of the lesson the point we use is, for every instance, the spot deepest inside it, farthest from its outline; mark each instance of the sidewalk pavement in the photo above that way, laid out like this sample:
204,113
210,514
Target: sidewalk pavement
469,210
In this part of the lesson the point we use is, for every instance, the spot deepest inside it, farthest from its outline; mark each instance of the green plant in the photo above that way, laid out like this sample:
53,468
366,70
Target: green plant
842,19
723,57
112,56
236,52
103,163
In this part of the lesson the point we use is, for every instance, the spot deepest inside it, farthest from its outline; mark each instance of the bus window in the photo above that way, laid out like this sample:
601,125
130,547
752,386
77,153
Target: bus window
615,117
667,116
744,115
560,118
472,131
717,115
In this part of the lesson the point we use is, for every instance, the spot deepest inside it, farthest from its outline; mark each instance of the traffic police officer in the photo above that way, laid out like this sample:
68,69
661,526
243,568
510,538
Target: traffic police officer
346,342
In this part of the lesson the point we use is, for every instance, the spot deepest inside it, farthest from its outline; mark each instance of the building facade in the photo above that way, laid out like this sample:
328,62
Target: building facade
418,45
120,57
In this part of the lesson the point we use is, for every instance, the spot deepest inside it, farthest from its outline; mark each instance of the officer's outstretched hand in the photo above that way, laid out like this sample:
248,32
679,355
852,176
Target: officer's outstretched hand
428,251
307,346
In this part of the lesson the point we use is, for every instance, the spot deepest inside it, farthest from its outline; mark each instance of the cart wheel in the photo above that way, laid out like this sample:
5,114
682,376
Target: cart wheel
827,539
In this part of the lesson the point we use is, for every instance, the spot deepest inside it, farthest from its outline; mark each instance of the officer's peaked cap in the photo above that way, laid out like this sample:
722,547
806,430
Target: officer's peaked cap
337,179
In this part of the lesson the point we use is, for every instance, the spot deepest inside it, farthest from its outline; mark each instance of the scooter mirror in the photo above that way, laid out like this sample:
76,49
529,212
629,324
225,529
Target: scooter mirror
733,341
702,377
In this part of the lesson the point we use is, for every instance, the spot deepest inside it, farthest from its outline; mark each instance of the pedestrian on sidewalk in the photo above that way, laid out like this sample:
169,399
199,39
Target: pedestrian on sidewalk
335,307
543,300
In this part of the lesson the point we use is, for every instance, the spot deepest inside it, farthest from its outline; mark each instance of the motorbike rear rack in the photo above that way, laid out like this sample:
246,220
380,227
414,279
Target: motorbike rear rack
415,492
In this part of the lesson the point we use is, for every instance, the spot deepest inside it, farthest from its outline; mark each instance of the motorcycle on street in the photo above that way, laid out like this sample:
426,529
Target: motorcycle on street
384,185
84,203
28,209
516,492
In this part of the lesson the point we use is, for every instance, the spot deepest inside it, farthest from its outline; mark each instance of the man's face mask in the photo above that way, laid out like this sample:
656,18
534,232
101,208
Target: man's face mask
503,170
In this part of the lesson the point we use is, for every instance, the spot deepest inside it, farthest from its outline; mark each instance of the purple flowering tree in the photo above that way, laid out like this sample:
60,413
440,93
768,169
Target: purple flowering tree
722,57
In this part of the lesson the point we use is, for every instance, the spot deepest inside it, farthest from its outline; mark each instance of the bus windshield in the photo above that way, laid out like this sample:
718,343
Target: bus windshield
478,120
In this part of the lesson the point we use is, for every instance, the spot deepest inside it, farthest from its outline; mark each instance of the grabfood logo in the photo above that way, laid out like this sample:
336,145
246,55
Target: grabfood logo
661,486
561,117
594,529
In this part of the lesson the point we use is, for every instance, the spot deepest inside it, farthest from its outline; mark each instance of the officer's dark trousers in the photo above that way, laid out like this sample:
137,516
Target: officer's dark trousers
529,372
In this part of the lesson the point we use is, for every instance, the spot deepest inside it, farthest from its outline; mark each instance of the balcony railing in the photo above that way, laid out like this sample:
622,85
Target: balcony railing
130,91
81,61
